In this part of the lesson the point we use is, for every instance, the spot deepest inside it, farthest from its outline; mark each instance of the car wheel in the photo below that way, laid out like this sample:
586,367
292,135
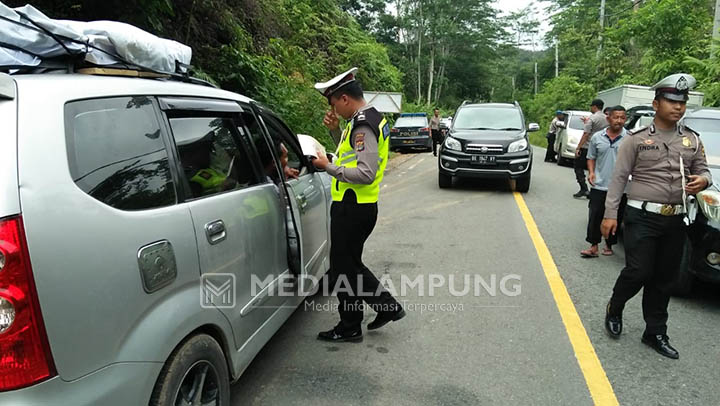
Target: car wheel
444,180
522,184
560,159
684,281
195,374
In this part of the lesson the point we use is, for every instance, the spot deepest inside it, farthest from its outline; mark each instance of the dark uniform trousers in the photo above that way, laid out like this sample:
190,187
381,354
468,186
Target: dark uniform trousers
550,152
437,140
596,214
351,225
653,249
580,166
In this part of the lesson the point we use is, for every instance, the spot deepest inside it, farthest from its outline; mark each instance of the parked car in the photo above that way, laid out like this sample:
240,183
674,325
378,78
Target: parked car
411,130
701,258
487,140
638,117
569,137
445,124
144,226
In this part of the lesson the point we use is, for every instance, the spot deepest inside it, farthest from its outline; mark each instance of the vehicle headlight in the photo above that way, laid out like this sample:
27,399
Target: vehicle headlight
453,144
573,139
709,202
713,258
519,145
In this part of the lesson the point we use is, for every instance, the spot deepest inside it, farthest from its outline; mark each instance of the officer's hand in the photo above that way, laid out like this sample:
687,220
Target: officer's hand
697,184
577,152
321,162
331,121
608,227
591,178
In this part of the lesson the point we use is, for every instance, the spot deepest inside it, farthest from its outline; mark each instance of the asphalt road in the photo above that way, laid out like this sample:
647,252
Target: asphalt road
503,341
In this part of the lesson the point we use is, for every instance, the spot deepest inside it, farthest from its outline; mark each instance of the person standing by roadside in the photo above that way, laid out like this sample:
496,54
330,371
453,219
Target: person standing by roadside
602,154
667,162
557,122
596,122
356,172
435,129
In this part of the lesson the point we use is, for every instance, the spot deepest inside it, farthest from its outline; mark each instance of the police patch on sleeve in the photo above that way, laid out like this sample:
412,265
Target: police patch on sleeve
360,142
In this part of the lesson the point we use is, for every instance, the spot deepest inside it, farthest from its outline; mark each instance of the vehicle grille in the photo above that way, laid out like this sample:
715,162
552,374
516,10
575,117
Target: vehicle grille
484,148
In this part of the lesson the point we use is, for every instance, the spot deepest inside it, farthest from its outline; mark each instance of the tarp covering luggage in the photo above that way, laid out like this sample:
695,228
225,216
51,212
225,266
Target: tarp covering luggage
28,38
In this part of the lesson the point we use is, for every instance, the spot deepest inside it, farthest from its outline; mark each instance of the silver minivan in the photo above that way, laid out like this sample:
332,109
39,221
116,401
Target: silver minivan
146,228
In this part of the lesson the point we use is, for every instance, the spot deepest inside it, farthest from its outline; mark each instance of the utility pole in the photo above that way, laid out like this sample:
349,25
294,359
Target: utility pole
536,79
716,27
557,60
602,25
513,84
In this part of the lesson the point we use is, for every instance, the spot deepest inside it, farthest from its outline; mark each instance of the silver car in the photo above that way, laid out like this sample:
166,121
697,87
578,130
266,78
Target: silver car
568,138
150,244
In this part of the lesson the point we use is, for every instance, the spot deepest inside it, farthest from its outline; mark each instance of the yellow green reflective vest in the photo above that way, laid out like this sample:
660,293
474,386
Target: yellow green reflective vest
346,157
210,180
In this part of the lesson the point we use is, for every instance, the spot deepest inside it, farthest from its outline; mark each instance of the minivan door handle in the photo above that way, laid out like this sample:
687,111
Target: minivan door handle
215,232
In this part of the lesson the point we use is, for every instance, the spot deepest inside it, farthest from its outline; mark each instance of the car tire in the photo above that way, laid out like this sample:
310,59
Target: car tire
444,180
684,280
560,159
198,356
522,184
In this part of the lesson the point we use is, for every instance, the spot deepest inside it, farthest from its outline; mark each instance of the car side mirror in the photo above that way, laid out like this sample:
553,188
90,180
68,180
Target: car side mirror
533,127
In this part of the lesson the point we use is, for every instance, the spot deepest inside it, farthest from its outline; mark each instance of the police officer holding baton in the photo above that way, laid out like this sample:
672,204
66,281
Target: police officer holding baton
667,163
357,171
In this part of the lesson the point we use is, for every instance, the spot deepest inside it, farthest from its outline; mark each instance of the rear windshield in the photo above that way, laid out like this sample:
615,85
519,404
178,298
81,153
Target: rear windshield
709,130
576,122
411,122
488,118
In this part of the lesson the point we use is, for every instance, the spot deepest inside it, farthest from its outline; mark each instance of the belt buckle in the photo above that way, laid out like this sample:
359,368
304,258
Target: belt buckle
667,210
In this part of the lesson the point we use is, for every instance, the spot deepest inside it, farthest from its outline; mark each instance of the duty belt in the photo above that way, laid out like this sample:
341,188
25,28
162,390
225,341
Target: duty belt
658,208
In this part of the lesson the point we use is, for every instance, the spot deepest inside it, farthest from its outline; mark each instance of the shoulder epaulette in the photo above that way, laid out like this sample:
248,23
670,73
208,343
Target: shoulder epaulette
637,130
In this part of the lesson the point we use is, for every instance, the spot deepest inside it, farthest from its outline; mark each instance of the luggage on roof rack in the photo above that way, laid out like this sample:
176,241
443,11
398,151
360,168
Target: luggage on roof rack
31,39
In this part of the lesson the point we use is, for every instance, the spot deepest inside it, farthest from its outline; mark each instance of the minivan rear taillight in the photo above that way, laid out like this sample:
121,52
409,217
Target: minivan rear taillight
25,357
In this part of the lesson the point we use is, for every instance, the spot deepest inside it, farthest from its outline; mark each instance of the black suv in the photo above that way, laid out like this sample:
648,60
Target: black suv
487,140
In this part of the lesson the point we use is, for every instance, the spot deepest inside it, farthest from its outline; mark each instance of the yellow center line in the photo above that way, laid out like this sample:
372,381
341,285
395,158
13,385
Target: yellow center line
595,377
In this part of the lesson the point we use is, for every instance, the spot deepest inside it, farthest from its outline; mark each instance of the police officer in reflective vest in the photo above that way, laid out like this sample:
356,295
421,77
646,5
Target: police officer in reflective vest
667,163
357,171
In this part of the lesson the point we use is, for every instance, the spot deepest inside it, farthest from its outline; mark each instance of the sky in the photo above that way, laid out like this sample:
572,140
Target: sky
507,6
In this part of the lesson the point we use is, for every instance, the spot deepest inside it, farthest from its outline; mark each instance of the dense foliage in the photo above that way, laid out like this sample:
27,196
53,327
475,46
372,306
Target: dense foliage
437,52
270,50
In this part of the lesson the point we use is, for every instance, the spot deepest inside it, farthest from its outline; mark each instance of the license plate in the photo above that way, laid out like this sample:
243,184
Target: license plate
482,159
408,142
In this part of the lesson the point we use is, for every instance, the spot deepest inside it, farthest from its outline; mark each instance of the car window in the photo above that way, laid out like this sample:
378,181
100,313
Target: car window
709,130
212,159
576,122
411,122
490,118
266,153
116,152
279,134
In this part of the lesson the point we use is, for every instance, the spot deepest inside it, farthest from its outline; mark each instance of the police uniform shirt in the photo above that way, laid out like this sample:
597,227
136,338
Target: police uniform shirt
596,122
435,123
365,144
652,157
555,126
